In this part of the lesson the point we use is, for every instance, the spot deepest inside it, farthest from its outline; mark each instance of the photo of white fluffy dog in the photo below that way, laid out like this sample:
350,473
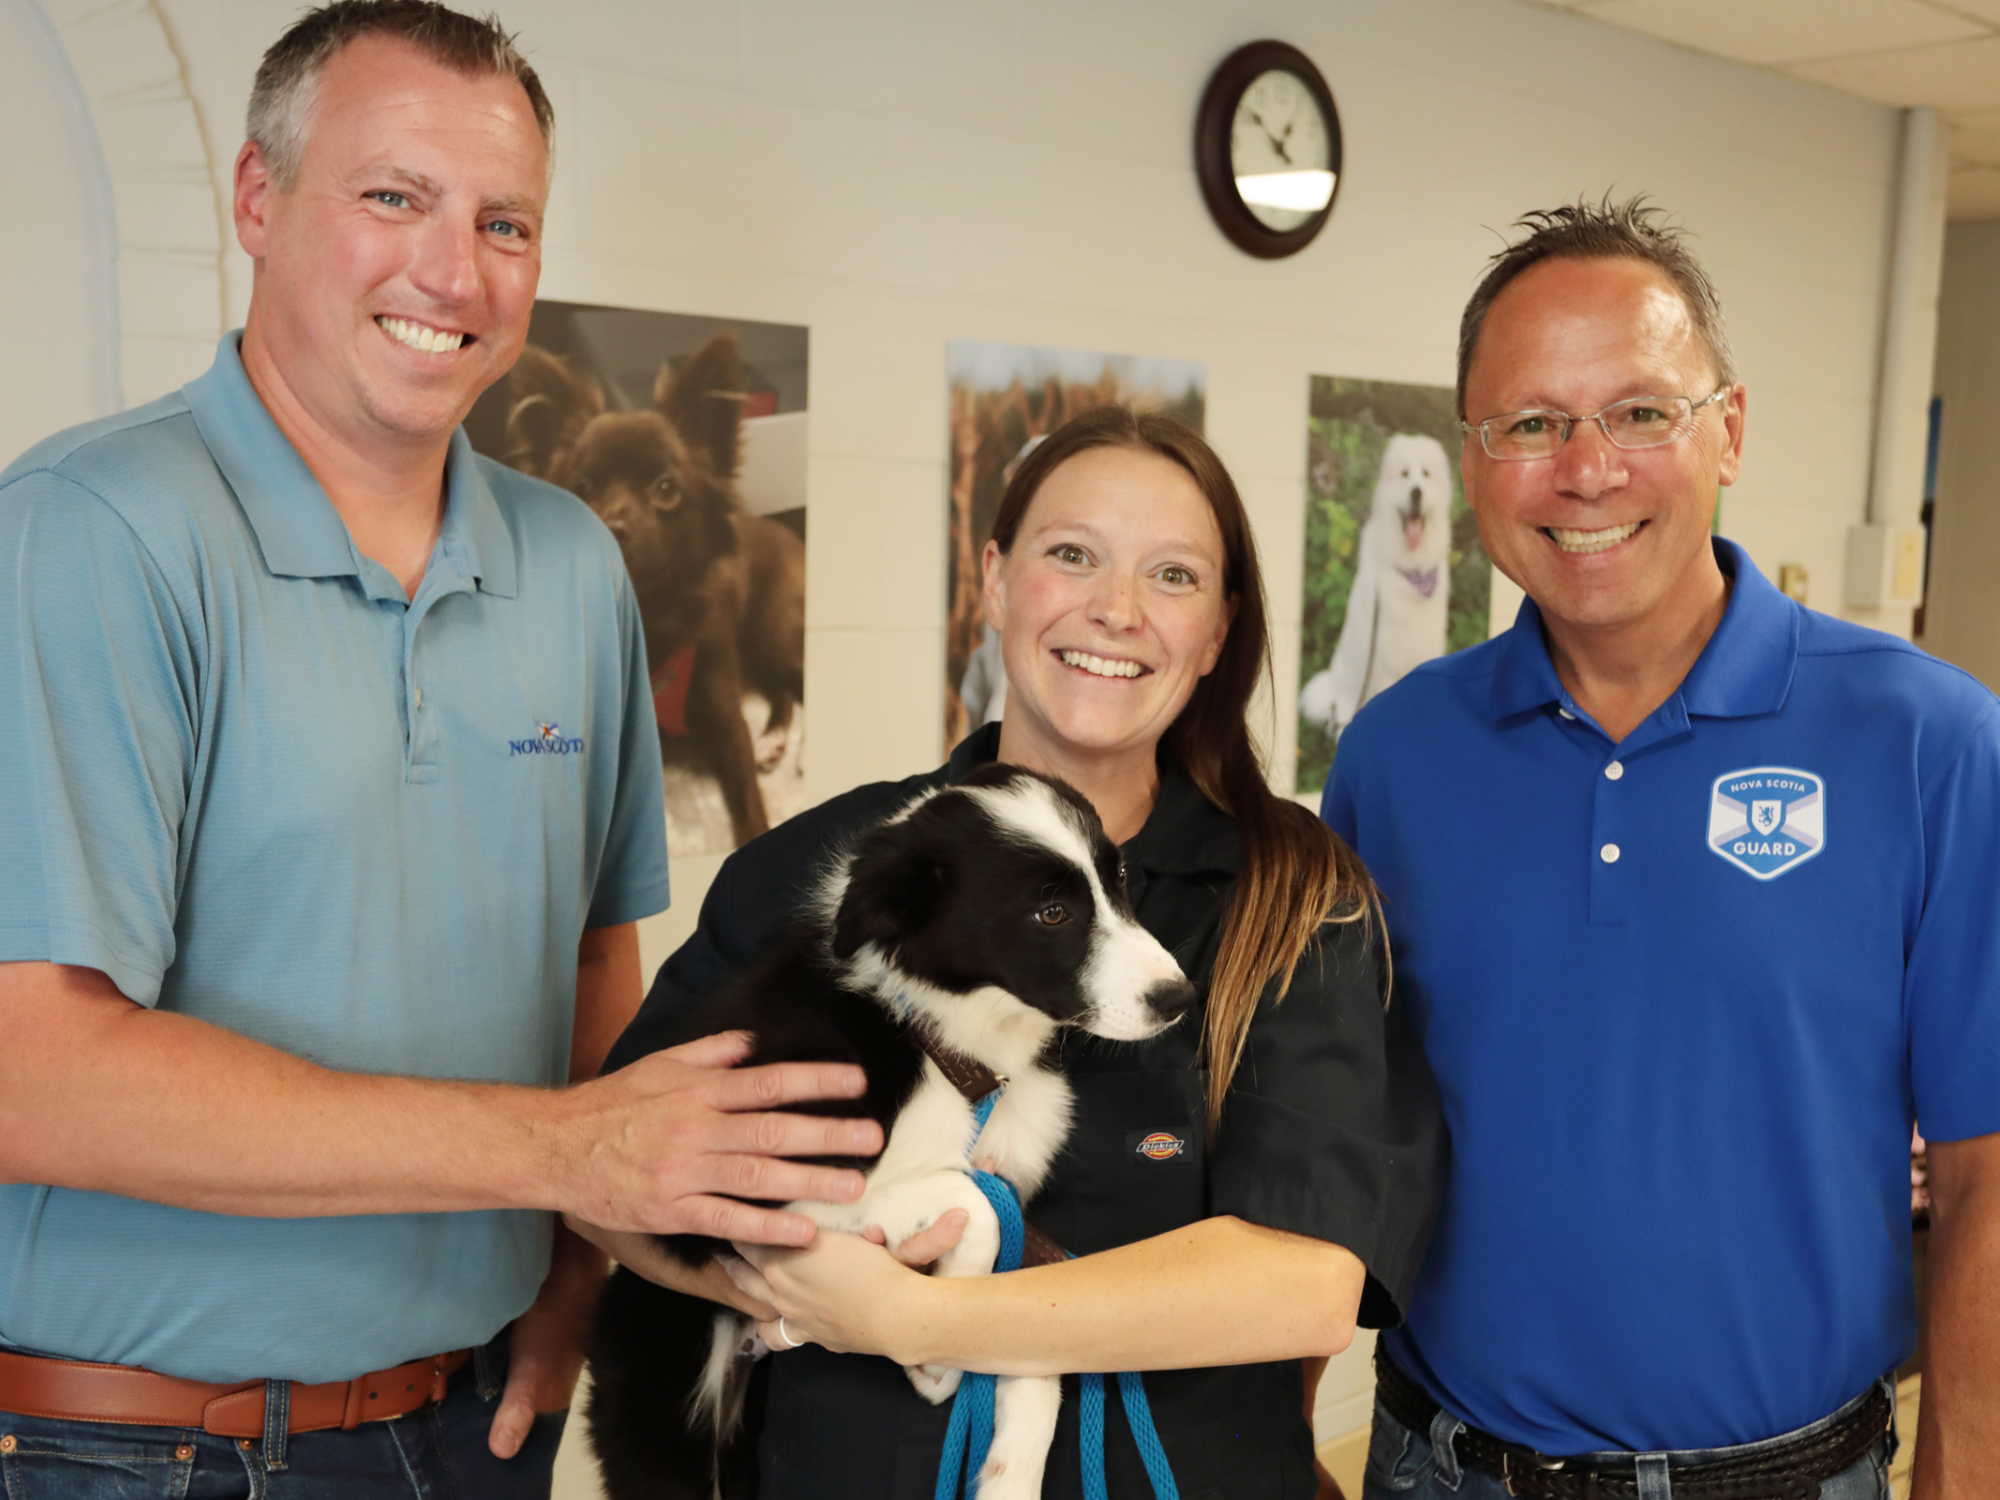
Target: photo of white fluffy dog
1396,614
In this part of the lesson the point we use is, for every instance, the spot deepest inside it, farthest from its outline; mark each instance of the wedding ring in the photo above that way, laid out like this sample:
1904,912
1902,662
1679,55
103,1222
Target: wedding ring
786,1334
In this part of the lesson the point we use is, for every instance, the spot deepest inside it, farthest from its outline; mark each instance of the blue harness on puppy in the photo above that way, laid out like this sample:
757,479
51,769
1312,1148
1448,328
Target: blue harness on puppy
970,1434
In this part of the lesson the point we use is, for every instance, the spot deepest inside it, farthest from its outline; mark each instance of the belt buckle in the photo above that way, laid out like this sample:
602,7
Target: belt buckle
1542,1465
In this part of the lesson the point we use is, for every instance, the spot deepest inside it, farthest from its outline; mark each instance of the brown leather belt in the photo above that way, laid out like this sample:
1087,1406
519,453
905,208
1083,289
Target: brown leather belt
72,1391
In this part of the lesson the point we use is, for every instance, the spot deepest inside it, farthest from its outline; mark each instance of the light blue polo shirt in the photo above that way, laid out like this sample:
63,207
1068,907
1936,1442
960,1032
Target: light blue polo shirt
251,783
1683,997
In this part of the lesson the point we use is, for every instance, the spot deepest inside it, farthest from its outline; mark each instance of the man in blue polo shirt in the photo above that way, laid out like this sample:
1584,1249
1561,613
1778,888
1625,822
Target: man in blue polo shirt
1696,897
333,795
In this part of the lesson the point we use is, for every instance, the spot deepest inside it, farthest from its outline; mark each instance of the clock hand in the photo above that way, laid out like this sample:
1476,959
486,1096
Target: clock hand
1277,143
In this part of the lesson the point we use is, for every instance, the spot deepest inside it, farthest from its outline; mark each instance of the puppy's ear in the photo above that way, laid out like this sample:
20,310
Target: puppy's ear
550,406
894,885
704,403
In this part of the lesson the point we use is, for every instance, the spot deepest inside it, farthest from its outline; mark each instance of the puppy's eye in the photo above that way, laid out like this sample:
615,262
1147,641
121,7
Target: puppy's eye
1052,915
666,492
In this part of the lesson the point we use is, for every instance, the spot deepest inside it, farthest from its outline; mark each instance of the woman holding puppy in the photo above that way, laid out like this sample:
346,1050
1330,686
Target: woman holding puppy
1240,1191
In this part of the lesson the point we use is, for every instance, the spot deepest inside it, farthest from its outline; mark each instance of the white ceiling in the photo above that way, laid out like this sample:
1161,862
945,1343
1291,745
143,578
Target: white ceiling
1944,53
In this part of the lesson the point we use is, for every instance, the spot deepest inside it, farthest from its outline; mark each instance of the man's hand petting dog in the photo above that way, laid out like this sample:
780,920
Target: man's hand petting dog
781,1279
674,1142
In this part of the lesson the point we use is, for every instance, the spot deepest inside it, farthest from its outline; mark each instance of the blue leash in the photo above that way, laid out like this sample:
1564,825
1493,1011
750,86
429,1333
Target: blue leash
970,1434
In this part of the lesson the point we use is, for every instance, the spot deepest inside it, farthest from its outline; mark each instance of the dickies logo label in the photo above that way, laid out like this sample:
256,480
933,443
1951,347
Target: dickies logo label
1161,1145
1768,819
547,740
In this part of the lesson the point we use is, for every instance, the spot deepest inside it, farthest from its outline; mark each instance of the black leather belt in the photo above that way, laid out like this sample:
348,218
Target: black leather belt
1788,1471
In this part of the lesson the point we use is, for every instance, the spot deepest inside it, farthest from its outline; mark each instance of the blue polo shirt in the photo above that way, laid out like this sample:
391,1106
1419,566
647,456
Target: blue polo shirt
252,783
1683,996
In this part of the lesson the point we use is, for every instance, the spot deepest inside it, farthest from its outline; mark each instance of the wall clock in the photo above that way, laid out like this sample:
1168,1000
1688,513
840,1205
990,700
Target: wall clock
1267,149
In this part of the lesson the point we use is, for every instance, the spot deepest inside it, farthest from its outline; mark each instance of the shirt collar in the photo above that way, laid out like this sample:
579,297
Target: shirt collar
1745,669
297,528
1184,834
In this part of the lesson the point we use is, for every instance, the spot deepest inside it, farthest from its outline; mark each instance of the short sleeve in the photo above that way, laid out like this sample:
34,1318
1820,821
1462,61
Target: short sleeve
1952,977
1332,1127
632,876
99,690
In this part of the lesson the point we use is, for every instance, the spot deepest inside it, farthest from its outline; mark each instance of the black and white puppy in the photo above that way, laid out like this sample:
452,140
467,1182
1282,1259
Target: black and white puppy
972,924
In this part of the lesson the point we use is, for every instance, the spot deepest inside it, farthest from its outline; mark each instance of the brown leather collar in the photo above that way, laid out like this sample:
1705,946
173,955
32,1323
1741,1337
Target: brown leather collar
972,1078
974,1081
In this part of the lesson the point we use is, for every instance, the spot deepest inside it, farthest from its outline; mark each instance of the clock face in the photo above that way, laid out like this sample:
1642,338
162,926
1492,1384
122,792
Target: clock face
1280,152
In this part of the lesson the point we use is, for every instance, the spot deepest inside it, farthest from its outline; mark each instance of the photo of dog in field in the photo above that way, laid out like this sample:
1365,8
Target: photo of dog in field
1394,573
686,436
1004,399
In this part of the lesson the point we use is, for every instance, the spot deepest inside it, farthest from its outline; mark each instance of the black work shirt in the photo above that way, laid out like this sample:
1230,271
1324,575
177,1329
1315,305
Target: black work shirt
1331,1129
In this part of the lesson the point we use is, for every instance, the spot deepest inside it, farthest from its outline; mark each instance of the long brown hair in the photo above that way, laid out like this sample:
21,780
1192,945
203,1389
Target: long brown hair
1294,874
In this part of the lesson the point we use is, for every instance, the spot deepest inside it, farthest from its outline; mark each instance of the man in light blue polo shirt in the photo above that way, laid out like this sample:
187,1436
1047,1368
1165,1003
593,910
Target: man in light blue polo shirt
1696,896
333,796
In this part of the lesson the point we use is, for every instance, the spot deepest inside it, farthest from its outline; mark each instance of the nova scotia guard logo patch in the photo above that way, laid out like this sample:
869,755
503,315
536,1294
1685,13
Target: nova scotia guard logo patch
1767,819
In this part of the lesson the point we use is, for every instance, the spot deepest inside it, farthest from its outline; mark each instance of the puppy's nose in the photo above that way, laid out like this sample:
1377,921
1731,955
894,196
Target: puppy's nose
1416,499
1169,999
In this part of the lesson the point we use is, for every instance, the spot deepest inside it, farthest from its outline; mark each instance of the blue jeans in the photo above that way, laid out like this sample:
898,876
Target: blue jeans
1406,1465
439,1453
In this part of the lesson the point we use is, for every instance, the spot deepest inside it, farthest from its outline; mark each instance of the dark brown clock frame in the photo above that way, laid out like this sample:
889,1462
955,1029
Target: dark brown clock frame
1212,125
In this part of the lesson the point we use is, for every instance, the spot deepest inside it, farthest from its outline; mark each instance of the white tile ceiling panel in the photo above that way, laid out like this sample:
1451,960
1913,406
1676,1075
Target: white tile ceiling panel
1943,53
1773,32
1953,76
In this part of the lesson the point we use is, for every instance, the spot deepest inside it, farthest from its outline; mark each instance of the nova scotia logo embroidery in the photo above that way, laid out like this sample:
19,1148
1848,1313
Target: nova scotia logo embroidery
1768,819
547,740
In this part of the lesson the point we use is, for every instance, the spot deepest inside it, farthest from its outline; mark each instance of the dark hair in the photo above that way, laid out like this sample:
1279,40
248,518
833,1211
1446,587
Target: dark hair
288,77
1295,874
1601,231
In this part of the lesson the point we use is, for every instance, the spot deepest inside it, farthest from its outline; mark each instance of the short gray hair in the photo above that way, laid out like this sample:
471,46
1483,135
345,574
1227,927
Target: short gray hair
281,99
1601,231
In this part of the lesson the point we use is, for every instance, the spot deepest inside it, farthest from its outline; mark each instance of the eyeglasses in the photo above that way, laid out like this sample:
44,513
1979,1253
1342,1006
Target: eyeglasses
1636,422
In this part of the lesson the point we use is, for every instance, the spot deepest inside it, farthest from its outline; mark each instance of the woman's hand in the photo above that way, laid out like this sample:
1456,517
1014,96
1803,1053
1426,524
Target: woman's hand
846,1292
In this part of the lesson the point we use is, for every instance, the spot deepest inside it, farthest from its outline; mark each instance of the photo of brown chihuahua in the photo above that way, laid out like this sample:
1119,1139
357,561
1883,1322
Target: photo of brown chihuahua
721,590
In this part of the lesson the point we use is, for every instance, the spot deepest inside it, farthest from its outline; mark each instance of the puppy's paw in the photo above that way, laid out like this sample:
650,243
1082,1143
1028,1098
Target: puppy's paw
935,1383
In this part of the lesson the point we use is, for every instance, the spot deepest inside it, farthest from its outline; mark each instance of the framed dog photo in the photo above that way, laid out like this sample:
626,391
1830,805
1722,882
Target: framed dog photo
1005,398
1394,572
687,436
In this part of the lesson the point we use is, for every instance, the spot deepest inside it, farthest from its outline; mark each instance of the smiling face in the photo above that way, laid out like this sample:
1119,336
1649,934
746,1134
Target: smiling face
1602,538
1110,606
395,277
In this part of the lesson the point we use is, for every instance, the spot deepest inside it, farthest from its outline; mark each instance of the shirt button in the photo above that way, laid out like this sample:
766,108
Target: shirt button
1566,713
420,698
1615,770
1609,854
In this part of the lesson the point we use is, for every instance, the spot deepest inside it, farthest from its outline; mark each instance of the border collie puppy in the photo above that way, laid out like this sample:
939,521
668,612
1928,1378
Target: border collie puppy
945,949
